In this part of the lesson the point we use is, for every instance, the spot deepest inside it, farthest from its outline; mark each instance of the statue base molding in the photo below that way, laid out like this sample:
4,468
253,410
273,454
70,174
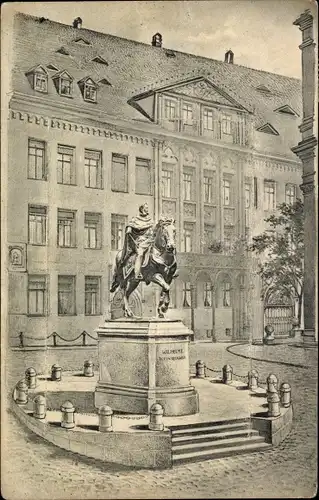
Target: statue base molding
142,362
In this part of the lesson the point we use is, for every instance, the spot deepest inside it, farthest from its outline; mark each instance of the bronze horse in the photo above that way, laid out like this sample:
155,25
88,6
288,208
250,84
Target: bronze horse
159,267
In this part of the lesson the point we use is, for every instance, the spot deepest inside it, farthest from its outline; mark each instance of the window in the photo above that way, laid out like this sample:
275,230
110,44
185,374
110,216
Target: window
92,295
226,294
187,186
37,295
170,109
36,160
187,113
269,195
66,295
92,230
187,295
118,223
41,82
167,183
63,83
119,173
66,167
247,195
290,194
226,124
209,235
208,119
143,175
208,189
37,225
255,192
228,237
93,168
188,237
66,228
65,87
226,192
207,294
90,93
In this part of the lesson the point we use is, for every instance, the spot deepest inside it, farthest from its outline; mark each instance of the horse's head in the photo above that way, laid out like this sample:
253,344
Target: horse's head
166,233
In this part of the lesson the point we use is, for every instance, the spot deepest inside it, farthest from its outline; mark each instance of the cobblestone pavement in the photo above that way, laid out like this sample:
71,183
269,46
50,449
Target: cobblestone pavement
33,469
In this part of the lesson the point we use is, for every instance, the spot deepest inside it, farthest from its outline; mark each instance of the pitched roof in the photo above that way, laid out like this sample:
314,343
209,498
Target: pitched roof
134,68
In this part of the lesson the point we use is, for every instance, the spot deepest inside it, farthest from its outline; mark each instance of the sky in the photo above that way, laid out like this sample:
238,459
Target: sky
260,32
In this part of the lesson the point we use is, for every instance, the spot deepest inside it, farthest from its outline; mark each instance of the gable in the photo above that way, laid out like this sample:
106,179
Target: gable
37,69
206,91
267,129
104,81
63,51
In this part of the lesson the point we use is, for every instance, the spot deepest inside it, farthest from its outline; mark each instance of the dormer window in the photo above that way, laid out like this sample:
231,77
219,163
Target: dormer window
38,78
286,110
63,82
100,60
89,89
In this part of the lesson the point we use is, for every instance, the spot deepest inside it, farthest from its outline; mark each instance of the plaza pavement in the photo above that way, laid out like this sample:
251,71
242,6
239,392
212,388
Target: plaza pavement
34,469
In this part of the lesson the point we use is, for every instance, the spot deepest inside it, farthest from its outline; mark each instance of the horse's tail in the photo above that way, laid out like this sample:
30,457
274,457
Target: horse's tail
116,278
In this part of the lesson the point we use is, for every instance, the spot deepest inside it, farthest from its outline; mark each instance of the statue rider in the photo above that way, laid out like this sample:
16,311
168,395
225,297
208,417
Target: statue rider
139,235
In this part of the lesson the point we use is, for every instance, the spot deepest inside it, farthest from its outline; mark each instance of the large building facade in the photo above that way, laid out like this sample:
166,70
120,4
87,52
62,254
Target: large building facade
99,125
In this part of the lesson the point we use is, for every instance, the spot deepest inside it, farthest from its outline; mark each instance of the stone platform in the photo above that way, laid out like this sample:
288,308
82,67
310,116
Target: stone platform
142,362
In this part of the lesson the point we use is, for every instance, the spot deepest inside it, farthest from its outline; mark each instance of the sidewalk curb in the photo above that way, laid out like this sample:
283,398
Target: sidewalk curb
295,365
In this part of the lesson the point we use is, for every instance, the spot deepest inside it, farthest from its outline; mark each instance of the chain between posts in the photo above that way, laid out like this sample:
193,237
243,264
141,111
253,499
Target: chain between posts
22,337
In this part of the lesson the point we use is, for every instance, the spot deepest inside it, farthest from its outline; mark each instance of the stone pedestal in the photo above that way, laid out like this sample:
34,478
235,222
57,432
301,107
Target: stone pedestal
143,362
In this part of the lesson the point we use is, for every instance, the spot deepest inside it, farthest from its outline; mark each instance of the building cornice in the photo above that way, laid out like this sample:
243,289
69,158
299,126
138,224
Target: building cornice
43,112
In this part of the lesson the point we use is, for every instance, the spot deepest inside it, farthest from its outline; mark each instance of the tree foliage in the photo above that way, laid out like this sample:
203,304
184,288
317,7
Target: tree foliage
281,247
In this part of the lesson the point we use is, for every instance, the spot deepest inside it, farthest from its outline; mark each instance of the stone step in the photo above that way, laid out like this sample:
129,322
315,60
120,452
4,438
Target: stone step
210,428
194,456
209,436
183,448
211,423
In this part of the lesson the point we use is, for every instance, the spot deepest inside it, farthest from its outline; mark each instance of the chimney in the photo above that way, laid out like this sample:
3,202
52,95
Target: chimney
229,57
157,40
77,23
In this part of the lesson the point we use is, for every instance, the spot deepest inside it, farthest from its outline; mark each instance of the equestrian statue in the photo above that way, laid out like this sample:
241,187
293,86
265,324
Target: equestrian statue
148,255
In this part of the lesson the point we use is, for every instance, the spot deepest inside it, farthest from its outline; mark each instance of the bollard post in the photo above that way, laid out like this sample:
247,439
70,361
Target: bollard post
84,342
105,418
156,417
253,380
67,418
21,339
272,380
39,406
21,393
31,378
285,394
273,401
200,369
56,373
54,336
227,374
88,369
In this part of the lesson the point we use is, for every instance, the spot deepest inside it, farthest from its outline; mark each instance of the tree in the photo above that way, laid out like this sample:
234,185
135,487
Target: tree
281,248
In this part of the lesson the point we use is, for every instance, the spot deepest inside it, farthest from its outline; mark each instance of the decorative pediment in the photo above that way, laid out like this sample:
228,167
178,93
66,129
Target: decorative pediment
204,91
88,81
210,160
168,156
63,74
268,129
286,110
37,69
190,156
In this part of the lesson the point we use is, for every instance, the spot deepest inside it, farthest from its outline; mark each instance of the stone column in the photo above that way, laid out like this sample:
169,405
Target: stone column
306,151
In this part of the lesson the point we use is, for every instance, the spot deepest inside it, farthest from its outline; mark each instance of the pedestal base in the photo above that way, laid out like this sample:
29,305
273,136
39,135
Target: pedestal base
143,362
309,338
181,401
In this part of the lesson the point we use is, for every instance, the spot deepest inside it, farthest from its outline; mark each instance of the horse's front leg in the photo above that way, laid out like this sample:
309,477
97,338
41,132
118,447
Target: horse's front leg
164,298
130,287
